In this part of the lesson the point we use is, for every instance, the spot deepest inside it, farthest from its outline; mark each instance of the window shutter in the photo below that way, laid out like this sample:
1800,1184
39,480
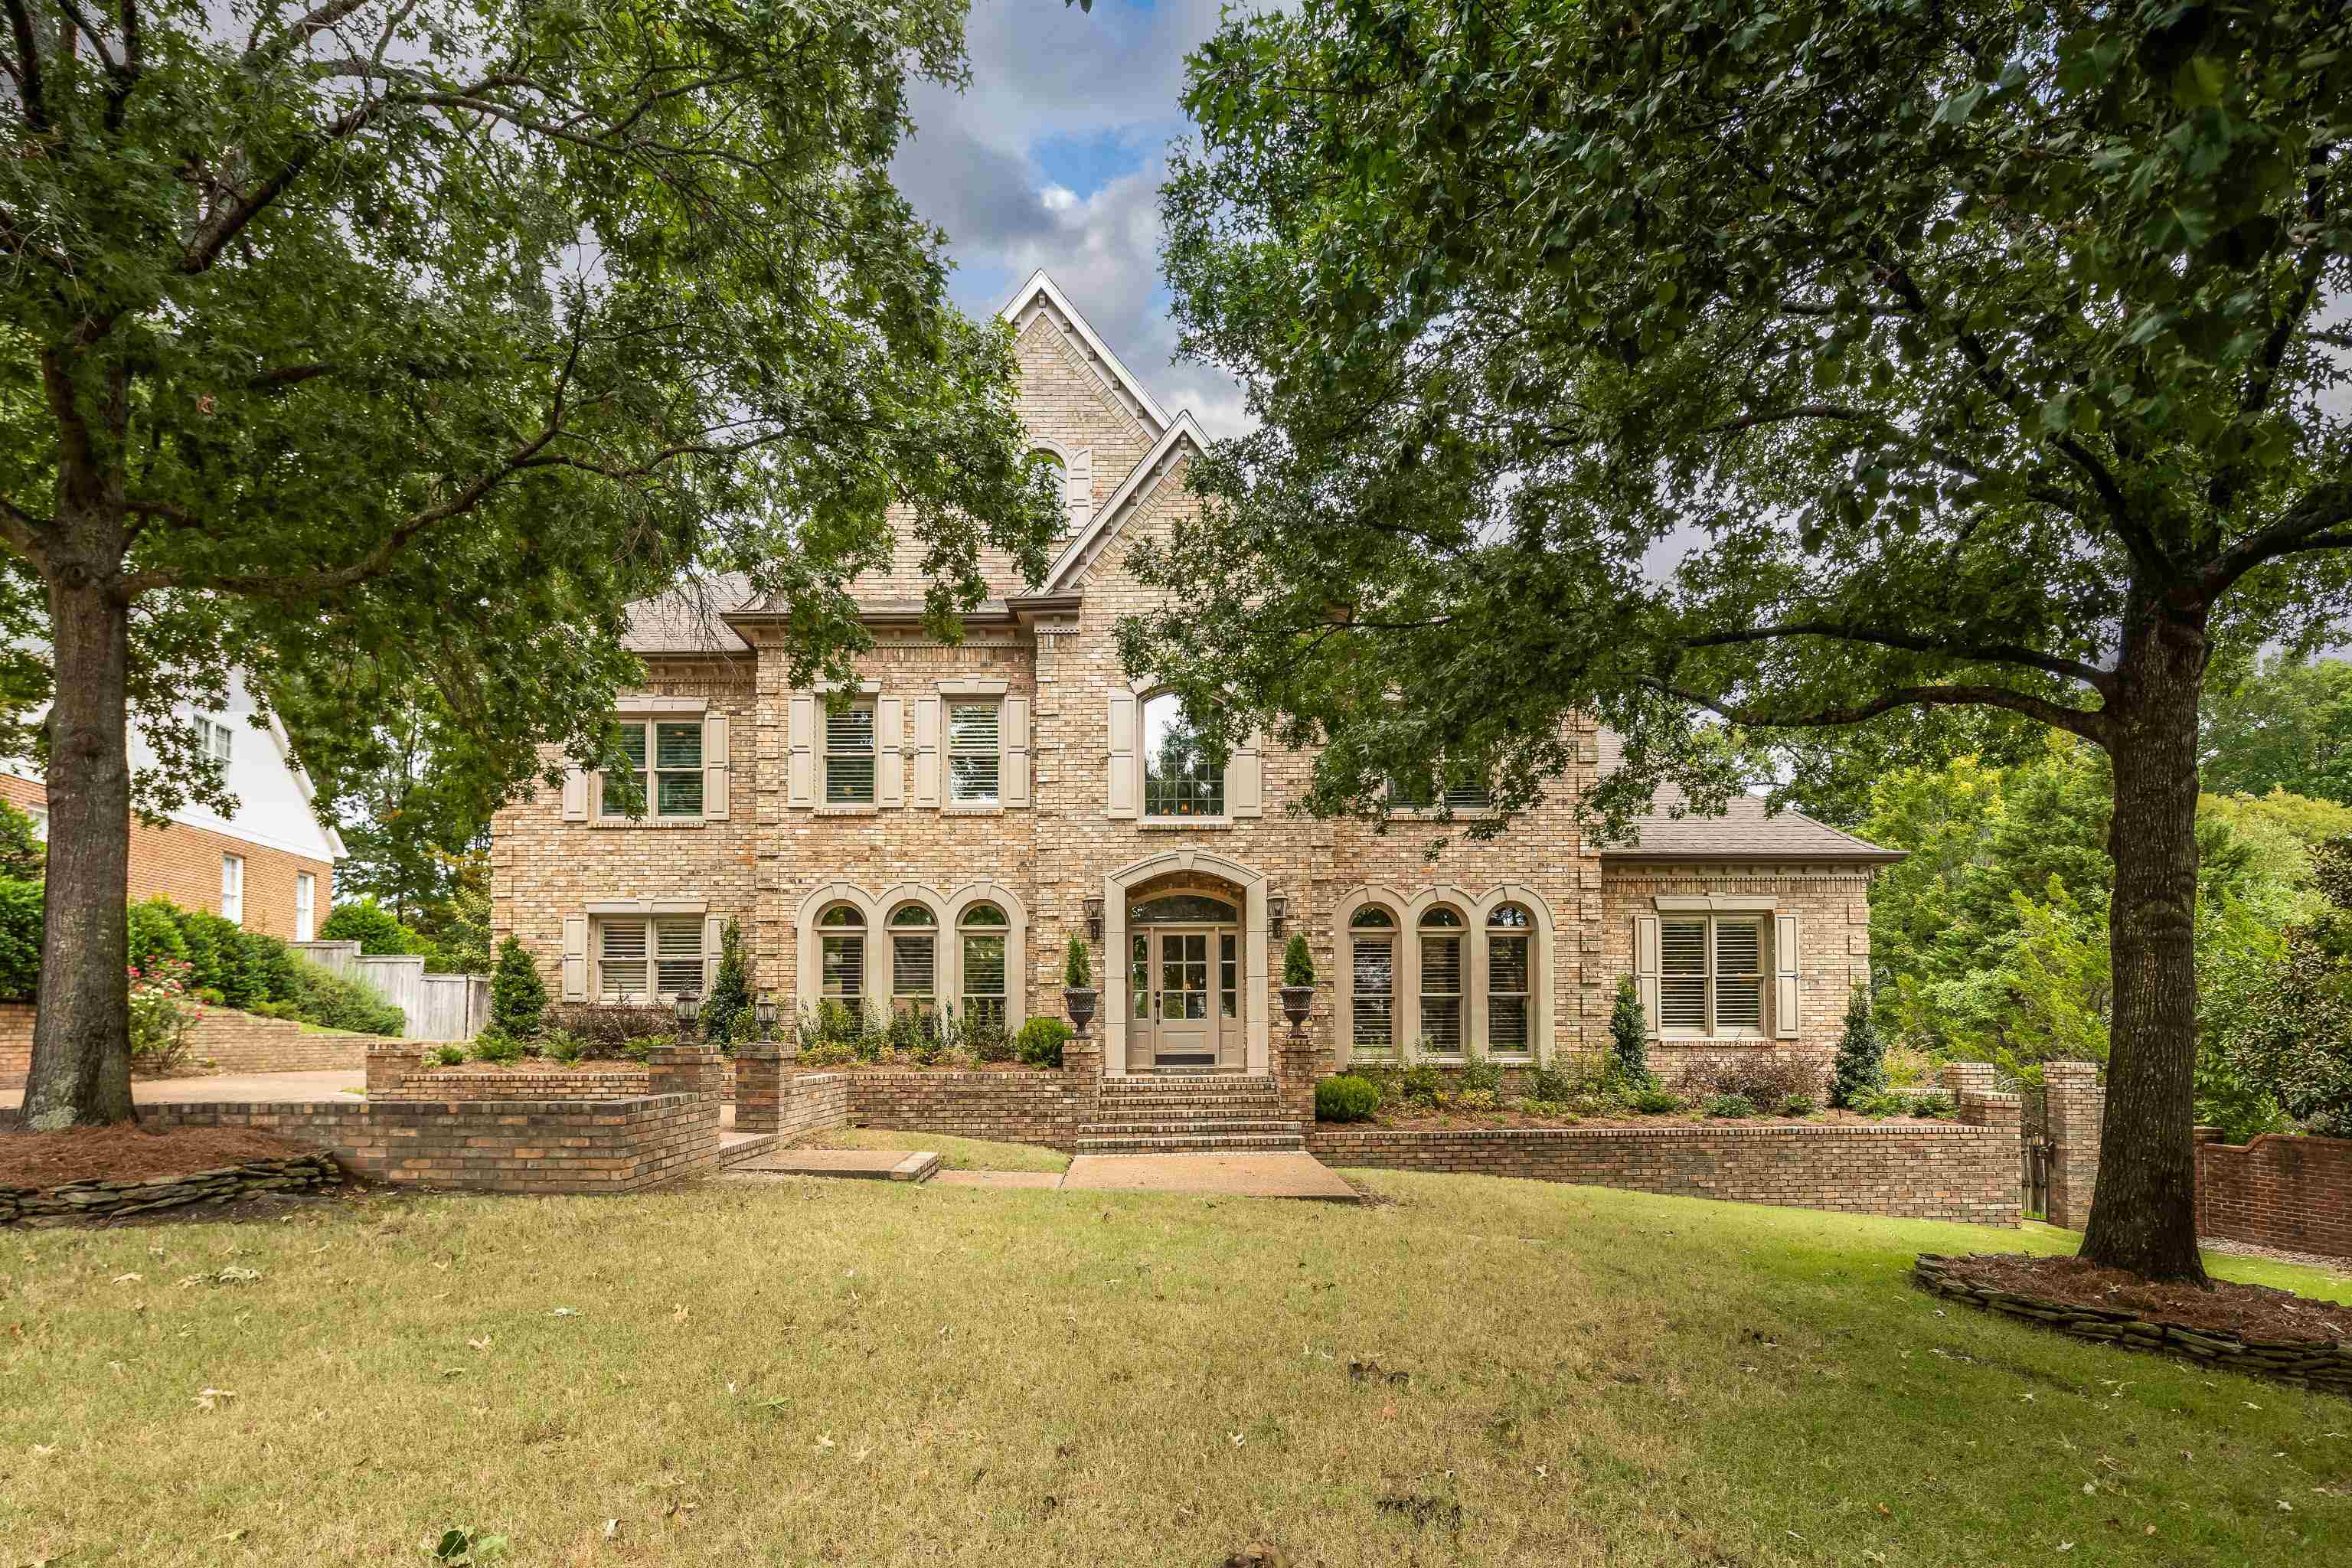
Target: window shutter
1081,489
1012,750
799,767
1246,781
1123,789
575,795
576,958
927,750
890,751
714,937
1645,968
714,768
1786,1021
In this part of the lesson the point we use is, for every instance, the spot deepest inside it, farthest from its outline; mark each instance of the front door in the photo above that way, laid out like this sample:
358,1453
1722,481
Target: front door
1183,1012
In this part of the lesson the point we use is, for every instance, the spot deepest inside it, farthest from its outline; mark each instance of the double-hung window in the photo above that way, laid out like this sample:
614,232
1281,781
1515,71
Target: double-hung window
1371,937
663,769
849,755
1710,976
1510,949
842,931
645,959
1441,980
983,929
914,957
216,740
233,888
306,904
973,752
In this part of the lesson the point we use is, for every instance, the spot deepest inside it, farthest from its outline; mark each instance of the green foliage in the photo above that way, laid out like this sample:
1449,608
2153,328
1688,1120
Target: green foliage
445,1055
1629,1038
518,993
562,1046
1731,1107
1077,964
494,1045
726,1011
376,928
1480,1072
1041,1040
1861,1066
161,1016
20,938
1345,1098
1656,1102
1297,961
335,1002
24,855
1548,1082
2292,1046
2284,725
153,936
1798,1105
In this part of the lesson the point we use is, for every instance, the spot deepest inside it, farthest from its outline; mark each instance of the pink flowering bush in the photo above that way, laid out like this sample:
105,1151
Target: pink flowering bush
163,1013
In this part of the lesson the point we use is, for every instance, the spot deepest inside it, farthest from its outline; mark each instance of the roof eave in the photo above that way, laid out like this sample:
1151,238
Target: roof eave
1863,857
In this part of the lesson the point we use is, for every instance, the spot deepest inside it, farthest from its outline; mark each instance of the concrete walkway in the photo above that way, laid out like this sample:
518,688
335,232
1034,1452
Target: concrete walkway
259,1087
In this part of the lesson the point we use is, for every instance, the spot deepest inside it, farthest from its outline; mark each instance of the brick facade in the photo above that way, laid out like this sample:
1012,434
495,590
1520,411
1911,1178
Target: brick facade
183,863
2283,1192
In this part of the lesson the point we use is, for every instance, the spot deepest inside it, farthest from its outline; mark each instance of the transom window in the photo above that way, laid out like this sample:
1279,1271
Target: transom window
1710,976
662,770
641,958
843,936
1172,907
982,933
849,755
1508,951
914,955
1177,778
972,753
1372,969
1441,980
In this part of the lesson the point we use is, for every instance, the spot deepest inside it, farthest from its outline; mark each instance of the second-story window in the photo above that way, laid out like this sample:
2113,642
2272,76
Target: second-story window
973,753
218,740
849,755
1177,778
664,764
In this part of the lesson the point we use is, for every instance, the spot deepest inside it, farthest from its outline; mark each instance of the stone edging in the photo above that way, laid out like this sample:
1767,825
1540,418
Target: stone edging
2306,1364
222,1183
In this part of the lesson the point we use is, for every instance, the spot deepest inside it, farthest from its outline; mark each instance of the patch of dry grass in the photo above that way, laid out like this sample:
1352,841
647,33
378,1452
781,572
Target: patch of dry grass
955,1153
868,1373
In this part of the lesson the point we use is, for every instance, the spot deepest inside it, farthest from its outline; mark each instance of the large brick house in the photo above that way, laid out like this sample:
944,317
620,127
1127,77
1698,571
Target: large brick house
939,837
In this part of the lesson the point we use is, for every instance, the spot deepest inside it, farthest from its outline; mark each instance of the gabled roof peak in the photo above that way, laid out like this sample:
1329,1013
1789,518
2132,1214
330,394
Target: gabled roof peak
1041,295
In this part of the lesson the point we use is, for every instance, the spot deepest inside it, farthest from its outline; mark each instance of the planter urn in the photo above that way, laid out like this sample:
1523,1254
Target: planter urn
1297,1001
1079,1001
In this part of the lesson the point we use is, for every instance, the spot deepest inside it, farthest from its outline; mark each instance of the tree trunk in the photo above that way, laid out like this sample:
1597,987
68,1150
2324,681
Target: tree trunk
2144,1215
80,1073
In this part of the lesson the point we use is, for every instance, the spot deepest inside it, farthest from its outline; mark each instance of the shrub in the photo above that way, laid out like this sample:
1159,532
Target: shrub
376,928
494,1045
604,1028
1041,1040
1420,1083
333,1002
1479,1073
153,936
1656,1102
1880,1105
1476,1100
1629,1038
517,994
162,1014
212,998
1077,964
24,857
266,967
726,1011
445,1055
1861,1066
985,1039
828,1054
1764,1079
20,938
1345,1098
1550,1084
1297,961
562,1046
1730,1106
1798,1105
1931,1107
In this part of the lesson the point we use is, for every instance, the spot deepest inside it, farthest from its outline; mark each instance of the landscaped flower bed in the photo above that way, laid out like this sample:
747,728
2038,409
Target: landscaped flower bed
1472,1093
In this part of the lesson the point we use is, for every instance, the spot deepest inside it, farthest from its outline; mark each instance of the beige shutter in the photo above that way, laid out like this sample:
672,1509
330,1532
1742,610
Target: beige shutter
575,795
1787,1023
1645,968
1125,789
1013,752
800,766
1246,781
890,751
927,750
576,958
1081,489
714,768
714,936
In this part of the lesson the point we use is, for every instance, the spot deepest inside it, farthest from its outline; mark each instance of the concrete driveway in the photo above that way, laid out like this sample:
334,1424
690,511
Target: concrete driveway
244,1086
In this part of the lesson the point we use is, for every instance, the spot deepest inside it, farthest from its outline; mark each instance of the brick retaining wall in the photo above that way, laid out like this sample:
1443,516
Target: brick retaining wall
231,1040
1042,1107
2285,1192
1908,1170
15,1043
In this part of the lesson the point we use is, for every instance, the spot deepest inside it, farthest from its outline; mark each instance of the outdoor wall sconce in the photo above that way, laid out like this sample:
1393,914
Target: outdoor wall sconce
689,1007
1094,919
1277,911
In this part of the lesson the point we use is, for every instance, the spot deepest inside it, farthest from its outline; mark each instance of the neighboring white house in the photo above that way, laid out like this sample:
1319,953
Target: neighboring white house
270,866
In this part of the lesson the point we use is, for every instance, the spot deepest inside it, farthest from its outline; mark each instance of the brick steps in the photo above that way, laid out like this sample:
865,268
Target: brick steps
1155,1126
1190,1111
1197,1143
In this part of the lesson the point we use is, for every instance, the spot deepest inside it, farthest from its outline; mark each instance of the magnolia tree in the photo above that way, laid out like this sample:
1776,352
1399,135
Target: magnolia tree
1823,377
397,344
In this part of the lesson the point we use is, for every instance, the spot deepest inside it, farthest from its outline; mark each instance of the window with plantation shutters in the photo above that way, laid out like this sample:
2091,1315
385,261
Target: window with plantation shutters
677,955
914,955
974,757
1681,977
1738,977
621,958
1508,953
849,755
1371,937
1441,980
642,959
842,963
983,929
1711,976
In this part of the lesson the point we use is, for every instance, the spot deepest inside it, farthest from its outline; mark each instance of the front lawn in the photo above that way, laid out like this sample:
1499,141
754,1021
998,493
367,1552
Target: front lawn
852,1372
955,1153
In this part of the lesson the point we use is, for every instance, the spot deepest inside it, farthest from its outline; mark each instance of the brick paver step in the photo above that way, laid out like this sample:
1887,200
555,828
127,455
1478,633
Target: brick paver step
1189,1127
1192,1144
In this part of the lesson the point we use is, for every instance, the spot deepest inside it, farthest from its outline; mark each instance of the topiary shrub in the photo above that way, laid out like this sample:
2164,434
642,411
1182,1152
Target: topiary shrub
1077,964
726,1011
517,994
1861,1068
1041,1040
376,928
1297,961
1346,1098
1629,1038
20,938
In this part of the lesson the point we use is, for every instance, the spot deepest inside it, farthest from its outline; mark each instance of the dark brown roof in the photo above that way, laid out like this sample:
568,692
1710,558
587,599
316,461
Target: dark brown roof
685,620
1746,831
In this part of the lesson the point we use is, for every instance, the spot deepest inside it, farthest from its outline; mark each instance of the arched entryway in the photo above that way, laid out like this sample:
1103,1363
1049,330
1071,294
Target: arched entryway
1184,945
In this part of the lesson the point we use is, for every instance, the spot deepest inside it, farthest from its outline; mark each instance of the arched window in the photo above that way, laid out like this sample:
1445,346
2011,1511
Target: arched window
1441,980
1511,956
843,931
914,956
1046,458
1177,778
981,931
1371,942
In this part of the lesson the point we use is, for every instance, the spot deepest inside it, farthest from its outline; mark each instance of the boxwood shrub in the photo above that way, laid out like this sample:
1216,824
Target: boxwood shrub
1345,1098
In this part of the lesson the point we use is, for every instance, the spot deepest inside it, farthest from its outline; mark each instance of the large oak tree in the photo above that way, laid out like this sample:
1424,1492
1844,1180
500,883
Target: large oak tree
1823,376
400,342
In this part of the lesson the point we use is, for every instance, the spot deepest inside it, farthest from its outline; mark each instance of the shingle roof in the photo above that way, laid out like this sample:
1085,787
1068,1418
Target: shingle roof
1744,832
686,619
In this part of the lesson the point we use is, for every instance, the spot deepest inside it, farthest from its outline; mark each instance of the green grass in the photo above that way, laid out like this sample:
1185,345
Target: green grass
866,1373
955,1153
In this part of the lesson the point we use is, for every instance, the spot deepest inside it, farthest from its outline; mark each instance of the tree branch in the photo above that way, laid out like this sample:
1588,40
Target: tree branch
2091,726
22,531
30,87
1975,653
2306,525
305,29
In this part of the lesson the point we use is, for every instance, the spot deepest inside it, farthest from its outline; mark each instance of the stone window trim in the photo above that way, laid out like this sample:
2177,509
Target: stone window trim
1078,465
1781,933
583,790
934,784
805,749
1404,985
946,908
582,928
1254,957
1245,768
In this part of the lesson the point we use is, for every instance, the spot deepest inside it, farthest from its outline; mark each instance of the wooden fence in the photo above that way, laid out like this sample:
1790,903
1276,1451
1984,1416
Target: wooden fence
435,1006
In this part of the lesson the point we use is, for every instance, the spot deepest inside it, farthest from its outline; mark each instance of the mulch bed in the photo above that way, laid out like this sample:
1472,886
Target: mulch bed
803,1065
125,1153
2224,1309
531,1066
1444,1121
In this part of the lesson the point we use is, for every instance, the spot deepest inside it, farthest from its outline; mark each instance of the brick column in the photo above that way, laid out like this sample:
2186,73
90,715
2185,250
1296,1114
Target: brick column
2078,1113
758,1089
686,1069
1298,1062
1082,1062
1967,1077
389,1067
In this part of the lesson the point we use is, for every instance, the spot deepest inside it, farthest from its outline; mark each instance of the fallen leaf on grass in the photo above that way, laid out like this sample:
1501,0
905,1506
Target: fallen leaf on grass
678,1316
564,1312
127,1279
45,1448
210,1398
481,1345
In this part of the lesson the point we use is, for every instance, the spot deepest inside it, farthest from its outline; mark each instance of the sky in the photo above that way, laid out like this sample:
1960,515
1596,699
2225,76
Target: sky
1053,157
